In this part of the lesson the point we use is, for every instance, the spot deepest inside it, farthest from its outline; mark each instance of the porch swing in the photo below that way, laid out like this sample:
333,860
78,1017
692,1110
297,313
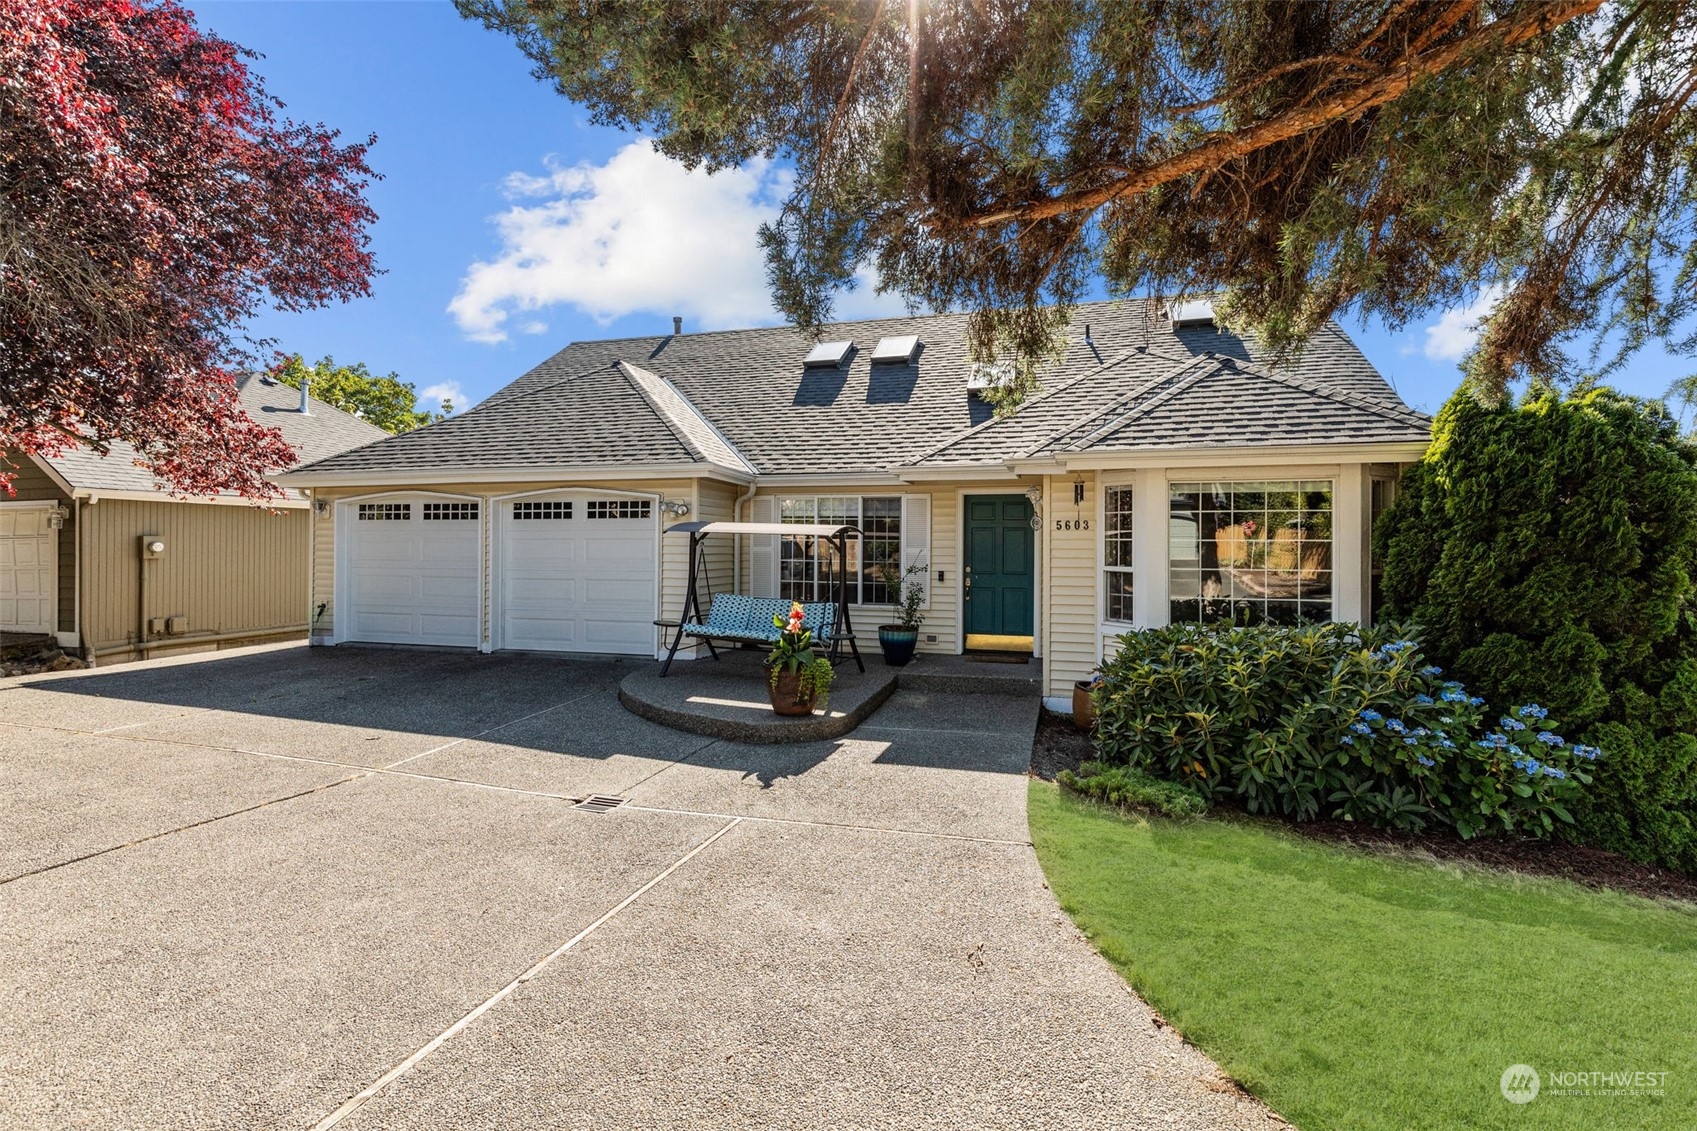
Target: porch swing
739,619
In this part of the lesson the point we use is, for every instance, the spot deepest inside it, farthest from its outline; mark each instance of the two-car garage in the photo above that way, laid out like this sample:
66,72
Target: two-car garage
567,570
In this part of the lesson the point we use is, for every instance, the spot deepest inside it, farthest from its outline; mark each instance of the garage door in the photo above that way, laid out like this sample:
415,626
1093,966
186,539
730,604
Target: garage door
577,573
413,571
26,570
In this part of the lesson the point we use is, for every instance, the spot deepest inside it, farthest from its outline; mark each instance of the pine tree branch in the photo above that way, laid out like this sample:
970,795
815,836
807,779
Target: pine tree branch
1529,22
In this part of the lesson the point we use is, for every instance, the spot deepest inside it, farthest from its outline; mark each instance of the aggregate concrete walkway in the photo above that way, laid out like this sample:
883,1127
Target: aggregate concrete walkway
348,888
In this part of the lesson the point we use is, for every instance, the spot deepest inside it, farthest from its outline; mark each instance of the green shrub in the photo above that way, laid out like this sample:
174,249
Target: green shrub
1131,788
1549,549
1331,721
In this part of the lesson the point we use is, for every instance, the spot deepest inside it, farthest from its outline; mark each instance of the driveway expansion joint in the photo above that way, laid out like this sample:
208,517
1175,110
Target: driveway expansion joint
367,1094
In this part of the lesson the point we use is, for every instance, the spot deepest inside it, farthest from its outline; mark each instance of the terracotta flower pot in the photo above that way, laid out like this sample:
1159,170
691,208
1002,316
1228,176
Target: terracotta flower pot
786,695
1083,710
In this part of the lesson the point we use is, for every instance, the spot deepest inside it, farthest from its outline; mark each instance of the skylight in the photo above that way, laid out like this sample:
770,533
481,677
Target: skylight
827,355
896,349
1198,312
988,375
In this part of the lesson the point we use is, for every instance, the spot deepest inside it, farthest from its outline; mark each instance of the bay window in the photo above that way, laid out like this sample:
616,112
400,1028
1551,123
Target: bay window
1250,552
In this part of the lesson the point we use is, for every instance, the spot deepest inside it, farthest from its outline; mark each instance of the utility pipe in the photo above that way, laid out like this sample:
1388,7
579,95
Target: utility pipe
204,638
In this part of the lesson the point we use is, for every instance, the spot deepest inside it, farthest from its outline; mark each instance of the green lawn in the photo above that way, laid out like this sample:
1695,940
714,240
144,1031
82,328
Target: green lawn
1352,991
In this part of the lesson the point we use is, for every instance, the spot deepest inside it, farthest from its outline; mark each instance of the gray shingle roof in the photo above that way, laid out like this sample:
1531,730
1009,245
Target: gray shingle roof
1142,400
322,432
743,395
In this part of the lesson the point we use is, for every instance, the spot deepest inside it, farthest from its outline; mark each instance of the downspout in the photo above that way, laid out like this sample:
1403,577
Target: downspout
736,546
141,598
76,581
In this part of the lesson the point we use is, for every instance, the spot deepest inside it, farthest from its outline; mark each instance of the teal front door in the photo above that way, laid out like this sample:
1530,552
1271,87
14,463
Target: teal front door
999,581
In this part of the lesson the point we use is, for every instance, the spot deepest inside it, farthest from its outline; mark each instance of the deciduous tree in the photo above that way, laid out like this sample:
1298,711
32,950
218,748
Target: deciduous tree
150,200
1000,155
388,402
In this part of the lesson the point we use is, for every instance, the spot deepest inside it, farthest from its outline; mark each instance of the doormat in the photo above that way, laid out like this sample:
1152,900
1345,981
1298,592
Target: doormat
996,658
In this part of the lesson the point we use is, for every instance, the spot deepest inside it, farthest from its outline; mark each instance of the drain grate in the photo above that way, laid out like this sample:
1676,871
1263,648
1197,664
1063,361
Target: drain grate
600,803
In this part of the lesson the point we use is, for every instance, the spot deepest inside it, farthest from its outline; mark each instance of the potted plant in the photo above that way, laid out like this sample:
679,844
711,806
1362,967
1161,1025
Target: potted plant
798,678
899,640
1083,704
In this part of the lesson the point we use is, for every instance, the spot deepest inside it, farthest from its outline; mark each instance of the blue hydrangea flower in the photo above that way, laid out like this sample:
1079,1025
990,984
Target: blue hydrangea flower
1432,670
1424,700
1423,760
1552,772
1551,738
1453,695
1371,715
1511,723
1395,726
1347,740
1531,765
1532,711
1589,753
1475,701
1446,744
1421,732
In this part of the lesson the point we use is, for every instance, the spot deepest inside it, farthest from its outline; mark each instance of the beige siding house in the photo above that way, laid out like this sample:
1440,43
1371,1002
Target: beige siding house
1166,471
76,538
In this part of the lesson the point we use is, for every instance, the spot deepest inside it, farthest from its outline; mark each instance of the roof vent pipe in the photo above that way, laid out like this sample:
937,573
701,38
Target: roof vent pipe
305,382
677,325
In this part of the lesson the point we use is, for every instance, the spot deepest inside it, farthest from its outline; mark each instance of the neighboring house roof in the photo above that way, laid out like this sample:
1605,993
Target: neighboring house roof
324,431
741,399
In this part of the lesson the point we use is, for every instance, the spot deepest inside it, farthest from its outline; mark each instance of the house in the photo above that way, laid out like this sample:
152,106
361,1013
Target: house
1167,471
95,553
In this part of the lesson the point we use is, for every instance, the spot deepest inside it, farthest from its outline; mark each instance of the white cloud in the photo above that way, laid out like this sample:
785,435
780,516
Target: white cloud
433,396
1450,337
639,233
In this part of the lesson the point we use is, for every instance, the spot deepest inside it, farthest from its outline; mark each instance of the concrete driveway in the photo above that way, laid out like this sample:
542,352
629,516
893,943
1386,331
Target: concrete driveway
297,889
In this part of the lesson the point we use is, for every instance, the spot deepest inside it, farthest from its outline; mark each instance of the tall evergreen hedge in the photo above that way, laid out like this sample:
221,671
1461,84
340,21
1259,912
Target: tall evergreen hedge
1548,550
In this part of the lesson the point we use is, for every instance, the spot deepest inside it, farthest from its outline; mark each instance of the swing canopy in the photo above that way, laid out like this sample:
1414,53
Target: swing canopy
785,529
741,619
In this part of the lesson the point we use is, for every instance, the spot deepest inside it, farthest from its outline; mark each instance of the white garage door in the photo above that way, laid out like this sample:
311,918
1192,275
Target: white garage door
27,585
412,570
577,573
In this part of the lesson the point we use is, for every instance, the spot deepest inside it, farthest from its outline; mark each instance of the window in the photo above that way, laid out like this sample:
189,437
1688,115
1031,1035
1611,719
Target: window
555,509
808,567
450,512
1116,551
619,508
1251,552
385,512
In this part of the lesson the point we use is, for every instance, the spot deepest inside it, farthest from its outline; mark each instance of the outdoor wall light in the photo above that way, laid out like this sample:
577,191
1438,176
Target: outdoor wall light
57,516
1035,495
677,508
321,507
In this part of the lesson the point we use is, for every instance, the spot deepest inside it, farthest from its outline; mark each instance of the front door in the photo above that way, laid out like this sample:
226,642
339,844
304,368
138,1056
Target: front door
999,580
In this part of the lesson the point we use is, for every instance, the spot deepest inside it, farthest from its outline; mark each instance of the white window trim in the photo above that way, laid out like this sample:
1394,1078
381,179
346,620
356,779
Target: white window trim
1338,476
781,497
1110,624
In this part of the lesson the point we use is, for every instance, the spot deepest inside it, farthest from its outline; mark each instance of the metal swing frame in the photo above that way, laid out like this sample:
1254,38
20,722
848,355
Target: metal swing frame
842,628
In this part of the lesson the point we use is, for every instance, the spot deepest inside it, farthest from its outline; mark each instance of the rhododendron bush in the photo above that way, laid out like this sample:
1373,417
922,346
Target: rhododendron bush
151,198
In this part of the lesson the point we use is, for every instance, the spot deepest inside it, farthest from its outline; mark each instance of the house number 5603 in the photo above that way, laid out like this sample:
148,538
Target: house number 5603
1072,524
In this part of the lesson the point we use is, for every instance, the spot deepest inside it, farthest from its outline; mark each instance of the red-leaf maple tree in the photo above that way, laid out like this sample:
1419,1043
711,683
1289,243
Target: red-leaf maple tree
151,199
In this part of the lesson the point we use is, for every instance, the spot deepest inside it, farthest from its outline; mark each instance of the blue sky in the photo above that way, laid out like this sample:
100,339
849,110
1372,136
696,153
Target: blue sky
509,226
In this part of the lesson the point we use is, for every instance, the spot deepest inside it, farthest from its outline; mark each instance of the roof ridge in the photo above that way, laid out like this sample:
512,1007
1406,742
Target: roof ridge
1037,400
631,371
1124,398
1342,396
1178,381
